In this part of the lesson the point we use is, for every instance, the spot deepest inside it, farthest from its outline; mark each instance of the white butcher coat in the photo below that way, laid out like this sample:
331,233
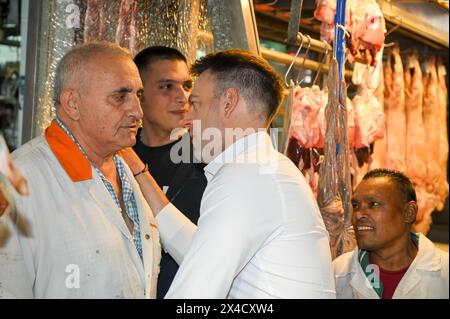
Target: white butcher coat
426,277
68,239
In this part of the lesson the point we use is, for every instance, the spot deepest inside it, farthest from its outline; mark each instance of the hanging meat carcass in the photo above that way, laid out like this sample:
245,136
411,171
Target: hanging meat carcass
305,132
379,147
371,93
394,107
369,117
416,157
415,131
427,196
329,198
426,204
431,122
305,124
325,11
367,30
364,23
442,186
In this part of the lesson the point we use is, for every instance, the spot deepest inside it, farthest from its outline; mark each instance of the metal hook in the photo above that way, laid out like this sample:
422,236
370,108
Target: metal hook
399,24
293,60
321,63
340,26
303,63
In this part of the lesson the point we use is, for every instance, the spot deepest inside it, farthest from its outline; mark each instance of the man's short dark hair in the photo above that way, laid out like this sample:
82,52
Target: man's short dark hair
155,53
257,81
401,180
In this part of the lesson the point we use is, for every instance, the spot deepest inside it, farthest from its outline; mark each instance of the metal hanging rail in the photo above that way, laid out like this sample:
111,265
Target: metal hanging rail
316,45
287,59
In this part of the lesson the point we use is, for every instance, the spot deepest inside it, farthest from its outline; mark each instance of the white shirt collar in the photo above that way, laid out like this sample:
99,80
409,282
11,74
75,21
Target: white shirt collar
232,152
427,257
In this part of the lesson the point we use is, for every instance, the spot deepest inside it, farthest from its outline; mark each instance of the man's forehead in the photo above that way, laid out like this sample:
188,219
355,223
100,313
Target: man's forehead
167,66
380,186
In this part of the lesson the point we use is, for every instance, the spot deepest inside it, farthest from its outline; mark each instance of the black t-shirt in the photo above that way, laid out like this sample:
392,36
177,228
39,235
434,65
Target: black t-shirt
158,160
183,180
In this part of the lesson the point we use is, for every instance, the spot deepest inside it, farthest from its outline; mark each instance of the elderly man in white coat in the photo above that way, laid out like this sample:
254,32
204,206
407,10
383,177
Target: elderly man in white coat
85,230
390,262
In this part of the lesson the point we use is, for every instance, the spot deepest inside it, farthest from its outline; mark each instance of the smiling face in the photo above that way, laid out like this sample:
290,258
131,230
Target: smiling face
380,214
109,107
167,85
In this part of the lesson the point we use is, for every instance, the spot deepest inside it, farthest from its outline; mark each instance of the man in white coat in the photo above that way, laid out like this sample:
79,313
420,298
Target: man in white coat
85,230
260,232
391,262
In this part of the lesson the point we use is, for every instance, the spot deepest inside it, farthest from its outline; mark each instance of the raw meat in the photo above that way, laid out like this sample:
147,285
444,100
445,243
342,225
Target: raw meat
305,125
415,131
394,107
426,203
368,114
431,123
364,23
325,11
369,118
379,147
442,186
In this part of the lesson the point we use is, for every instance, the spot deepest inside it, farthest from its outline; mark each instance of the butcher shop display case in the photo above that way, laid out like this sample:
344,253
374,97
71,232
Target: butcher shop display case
10,75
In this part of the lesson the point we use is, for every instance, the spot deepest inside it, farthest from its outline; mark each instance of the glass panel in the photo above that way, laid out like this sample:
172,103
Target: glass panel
134,24
9,69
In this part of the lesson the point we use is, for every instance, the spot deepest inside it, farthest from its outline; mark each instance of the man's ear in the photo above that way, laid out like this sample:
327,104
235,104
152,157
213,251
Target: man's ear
410,212
230,100
69,100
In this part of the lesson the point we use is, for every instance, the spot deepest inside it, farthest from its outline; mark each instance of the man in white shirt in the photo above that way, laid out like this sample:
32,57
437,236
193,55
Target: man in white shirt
260,232
85,230
390,262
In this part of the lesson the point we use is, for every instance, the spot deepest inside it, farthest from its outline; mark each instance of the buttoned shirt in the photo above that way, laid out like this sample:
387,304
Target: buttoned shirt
128,197
260,232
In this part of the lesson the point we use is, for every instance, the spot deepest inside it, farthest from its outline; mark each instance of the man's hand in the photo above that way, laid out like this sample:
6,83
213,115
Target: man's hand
153,194
3,203
133,161
17,180
9,170
15,177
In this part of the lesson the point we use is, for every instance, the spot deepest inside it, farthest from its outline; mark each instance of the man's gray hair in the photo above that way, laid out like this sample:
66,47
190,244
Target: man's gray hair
75,62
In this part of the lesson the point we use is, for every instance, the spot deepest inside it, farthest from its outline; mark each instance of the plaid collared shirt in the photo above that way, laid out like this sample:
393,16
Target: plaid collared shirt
129,200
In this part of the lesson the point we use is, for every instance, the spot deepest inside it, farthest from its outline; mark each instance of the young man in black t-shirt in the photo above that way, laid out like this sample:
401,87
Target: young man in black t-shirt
162,141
